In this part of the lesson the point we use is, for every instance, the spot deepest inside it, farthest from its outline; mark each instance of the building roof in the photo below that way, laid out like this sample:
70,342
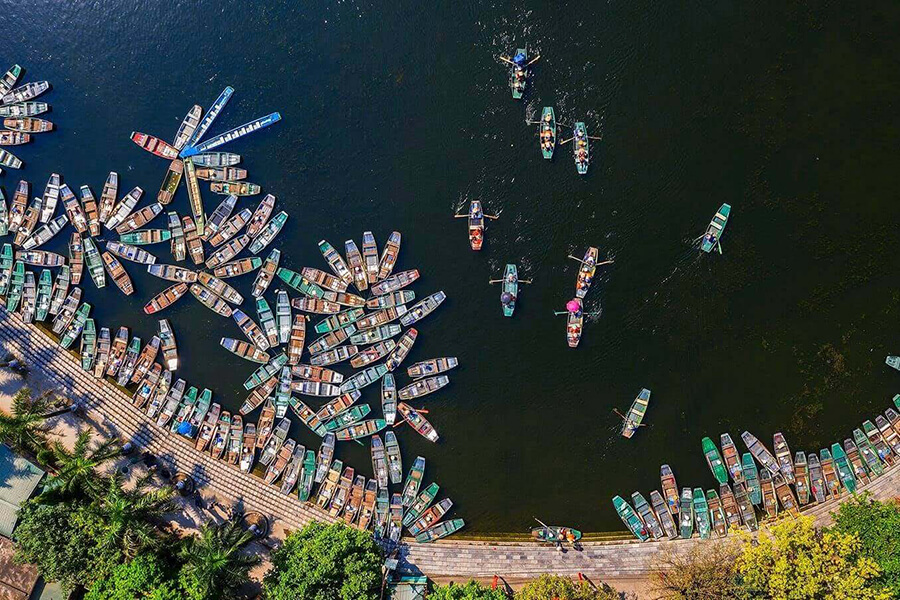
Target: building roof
18,479
408,588
16,581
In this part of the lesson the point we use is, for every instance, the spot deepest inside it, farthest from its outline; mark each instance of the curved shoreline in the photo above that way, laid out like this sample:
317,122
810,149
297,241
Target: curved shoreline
111,413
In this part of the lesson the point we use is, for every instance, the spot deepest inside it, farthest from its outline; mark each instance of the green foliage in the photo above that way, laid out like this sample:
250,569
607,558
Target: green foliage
131,518
76,471
146,577
63,540
563,588
24,429
325,562
468,591
795,561
215,564
707,571
877,525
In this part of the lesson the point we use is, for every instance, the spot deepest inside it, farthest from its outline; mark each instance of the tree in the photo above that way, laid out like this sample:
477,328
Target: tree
797,562
63,540
77,471
706,571
147,577
468,591
877,525
215,562
325,562
563,588
131,518
24,429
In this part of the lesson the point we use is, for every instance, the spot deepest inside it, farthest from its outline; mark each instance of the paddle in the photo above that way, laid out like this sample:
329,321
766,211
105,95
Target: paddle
492,216
504,59
533,60
591,137
719,246
624,418
461,216
496,280
605,262
566,141
525,281
560,312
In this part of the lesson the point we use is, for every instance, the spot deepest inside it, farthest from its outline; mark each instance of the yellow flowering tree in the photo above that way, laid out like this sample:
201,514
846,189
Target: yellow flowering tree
794,561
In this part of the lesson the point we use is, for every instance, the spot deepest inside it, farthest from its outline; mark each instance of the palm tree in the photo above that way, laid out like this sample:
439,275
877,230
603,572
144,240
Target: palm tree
132,517
215,562
24,429
77,471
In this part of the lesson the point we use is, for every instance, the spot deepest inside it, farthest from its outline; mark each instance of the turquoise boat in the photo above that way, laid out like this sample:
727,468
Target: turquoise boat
340,320
186,409
751,475
518,74
88,345
6,268
441,530
421,504
581,148
348,417
76,326
635,415
548,132
266,372
714,460
701,513
510,290
17,283
869,454
630,518
686,514
304,488
844,470
713,235
44,290
300,283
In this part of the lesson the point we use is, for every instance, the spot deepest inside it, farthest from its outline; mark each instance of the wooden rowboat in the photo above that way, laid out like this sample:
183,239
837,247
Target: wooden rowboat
238,267
548,132
210,300
118,273
419,423
266,274
154,145
636,413
476,225
389,255
581,148
713,235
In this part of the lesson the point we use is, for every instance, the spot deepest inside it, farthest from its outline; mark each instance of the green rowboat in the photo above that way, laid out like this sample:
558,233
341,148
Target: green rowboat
441,530
518,74
94,263
348,417
510,290
548,132
553,534
307,474
869,454
751,475
88,345
636,413
17,283
581,148
300,283
844,470
715,230
44,290
76,326
6,268
423,501
714,460
701,513
630,518
686,514
266,372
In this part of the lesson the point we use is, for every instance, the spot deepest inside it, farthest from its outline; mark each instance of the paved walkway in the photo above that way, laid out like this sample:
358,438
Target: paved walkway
110,411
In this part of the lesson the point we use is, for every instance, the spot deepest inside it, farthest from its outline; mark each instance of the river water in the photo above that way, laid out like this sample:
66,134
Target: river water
396,114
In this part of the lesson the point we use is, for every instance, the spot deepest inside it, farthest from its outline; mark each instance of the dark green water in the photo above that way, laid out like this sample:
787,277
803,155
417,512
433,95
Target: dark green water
395,114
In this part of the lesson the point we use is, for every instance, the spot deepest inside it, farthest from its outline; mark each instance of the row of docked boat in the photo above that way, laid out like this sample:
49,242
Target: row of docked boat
774,481
20,114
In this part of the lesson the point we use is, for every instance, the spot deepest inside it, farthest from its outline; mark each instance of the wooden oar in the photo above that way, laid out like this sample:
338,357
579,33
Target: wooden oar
616,410
503,58
491,216
532,61
496,281
524,281
719,246
605,262
591,137
560,312
461,216
566,141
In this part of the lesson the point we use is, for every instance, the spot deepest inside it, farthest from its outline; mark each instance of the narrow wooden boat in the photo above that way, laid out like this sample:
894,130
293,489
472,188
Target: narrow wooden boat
856,463
88,345
165,298
239,267
18,206
73,209
367,508
117,272
220,287
17,283
670,488
259,395
265,372
296,340
338,406
13,138
315,388
336,262
423,308
751,476
413,482
423,387
801,478
581,148
283,392
394,460
344,299
321,278
402,349
317,374
292,470
208,119
375,334
234,188
180,409
6,271
89,208
663,514
784,495
586,272
817,484
45,233
636,413
146,358
730,507
261,215
221,173
381,317
889,434
9,79
195,199
208,429
717,515
701,514
748,514
714,460
170,182
26,92
250,329
389,398
425,528
154,145
731,457
518,73
172,273
147,386
248,448
267,321
372,353
832,481
631,519
356,265
219,216
29,298
210,300
44,294
307,473
187,128
379,462
364,378
216,159
162,405
426,497
548,132
326,455
66,313
131,253
29,222
40,258
229,251
7,159
783,457
760,452
4,216
265,423
130,361
395,522
235,441
574,324
476,225
329,484
711,239
869,453
27,124
300,283
177,245
342,493
395,282
169,346
339,320
843,468
266,274
316,306
280,462
117,351
881,448
361,429
75,326
24,109
332,340
124,208
283,316
192,240
108,197
419,423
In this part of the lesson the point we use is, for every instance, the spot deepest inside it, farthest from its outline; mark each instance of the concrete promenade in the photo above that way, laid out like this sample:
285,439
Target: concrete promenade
111,412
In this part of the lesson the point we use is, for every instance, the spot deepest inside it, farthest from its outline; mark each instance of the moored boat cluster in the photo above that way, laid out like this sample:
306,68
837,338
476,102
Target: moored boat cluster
20,113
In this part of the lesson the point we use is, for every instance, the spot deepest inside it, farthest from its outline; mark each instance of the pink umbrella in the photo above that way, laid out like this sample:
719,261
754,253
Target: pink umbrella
573,305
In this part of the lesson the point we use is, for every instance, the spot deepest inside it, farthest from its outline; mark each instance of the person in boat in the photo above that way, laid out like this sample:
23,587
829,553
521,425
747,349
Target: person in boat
711,238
